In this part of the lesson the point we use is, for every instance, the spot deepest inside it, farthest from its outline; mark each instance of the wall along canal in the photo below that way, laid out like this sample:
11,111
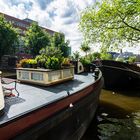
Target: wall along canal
118,117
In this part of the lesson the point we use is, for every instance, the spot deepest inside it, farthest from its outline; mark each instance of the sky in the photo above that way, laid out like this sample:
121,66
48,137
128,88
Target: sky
58,15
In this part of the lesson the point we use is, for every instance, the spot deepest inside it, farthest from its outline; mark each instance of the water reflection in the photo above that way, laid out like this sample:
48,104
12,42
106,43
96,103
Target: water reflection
118,117
116,129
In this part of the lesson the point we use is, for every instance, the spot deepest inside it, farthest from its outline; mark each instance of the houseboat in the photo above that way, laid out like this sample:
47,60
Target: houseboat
119,75
62,111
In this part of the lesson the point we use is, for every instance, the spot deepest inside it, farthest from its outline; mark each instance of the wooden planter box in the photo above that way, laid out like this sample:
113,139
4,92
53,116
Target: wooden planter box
44,76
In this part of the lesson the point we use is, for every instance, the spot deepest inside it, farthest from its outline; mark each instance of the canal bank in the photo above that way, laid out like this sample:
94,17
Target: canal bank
118,117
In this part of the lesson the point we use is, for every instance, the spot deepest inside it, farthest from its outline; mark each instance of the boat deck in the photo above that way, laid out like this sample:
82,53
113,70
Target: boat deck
33,97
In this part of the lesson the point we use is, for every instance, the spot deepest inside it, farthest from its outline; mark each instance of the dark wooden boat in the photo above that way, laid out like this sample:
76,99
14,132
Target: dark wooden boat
119,75
59,112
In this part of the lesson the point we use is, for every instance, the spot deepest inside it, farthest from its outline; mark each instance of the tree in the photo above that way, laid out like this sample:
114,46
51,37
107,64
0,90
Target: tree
96,55
58,41
85,48
106,56
8,37
36,39
51,52
112,22
76,56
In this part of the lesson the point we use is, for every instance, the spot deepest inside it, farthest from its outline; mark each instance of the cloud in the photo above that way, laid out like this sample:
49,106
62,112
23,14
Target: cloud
44,3
59,15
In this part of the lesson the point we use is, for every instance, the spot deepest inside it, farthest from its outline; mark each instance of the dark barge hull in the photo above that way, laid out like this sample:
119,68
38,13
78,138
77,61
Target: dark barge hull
119,75
66,119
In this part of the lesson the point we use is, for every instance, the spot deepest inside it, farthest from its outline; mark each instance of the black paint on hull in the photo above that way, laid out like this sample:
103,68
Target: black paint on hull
119,75
69,124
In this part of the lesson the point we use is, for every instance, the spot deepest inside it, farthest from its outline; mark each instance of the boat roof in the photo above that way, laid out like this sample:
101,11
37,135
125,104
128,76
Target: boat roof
33,97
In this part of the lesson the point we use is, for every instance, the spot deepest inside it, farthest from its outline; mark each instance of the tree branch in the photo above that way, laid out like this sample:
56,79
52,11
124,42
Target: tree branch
123,20
131,26
116,27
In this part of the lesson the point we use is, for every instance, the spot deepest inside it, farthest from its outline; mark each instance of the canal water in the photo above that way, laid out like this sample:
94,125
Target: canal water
118,117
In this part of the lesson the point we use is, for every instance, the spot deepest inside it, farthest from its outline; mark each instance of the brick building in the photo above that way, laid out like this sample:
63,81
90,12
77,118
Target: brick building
22,24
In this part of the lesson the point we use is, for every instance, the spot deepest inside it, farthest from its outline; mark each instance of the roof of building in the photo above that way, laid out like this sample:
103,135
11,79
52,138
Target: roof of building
23,23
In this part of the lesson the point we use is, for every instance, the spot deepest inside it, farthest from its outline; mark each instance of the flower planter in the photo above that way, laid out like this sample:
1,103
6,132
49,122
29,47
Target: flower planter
44,76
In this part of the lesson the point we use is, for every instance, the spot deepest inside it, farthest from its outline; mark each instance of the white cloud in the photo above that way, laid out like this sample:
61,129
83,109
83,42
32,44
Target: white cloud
58,15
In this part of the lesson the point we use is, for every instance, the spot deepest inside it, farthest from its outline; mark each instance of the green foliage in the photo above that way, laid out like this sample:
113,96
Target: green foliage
85,48
112,22
66,62
27,63
36,39
41,60
132,59
53,63
8,37
76,56
51,52
85,61
58,41
96,55
22,63
90,57
120,59
32,61
106,56
50,55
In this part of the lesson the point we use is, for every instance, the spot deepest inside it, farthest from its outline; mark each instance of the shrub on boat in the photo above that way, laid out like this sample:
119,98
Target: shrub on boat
49,58
27,63
23,63
41,60
45,62
53,63
66,63
32,63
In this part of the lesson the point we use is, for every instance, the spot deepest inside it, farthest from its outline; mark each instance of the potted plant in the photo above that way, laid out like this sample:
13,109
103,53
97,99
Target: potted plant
50,59
66,63
32,63
41,60
86,62
27,63
23,63
53,63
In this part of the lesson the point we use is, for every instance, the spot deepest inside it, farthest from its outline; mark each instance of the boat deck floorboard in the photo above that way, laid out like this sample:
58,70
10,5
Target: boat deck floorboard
33,97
